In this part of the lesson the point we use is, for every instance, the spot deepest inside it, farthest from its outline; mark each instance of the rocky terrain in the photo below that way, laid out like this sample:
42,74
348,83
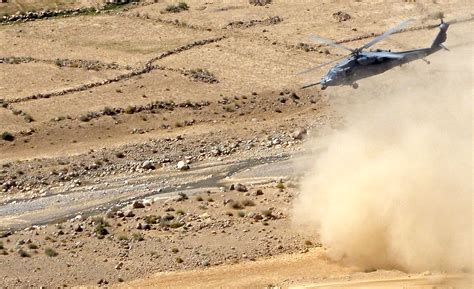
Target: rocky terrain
155,137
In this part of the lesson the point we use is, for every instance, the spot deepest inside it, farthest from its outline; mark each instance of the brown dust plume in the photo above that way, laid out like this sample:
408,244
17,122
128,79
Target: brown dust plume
393,187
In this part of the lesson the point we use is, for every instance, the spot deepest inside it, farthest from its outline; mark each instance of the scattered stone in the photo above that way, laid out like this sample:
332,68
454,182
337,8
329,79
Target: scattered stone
341,16
138,205
241,188
148,165
205,263
129,213
119,266
299,134
260,2
182,166
78,228
258,193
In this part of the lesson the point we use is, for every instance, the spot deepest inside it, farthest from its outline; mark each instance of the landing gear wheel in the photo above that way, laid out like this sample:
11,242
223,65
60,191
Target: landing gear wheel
355,85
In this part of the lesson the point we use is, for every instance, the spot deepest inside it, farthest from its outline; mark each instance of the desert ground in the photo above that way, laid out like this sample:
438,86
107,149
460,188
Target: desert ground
145,149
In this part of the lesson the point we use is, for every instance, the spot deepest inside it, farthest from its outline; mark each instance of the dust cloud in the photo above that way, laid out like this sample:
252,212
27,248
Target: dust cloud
392,189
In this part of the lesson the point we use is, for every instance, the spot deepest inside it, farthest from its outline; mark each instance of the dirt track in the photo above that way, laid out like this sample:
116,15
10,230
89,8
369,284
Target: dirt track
310,270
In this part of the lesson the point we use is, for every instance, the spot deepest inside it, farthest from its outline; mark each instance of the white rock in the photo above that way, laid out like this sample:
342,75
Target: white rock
183,166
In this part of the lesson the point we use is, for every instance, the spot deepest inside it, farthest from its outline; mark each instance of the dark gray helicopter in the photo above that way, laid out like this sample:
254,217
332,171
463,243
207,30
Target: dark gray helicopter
362,64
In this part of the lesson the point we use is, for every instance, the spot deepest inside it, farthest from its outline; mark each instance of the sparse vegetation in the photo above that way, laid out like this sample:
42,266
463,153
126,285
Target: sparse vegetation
267,213
151,219
119,155
175,225
183,195
280,185
50,252
130,109
203,75
248,203
7,136
32,246
100,227
108,111
138,237
28,118
236,205
23,253
176,8
122,238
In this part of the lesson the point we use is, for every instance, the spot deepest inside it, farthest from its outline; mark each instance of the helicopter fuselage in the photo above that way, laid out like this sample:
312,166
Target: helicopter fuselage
366,64
361,64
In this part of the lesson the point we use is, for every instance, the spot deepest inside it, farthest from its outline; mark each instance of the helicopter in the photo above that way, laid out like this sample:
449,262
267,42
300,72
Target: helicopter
360,64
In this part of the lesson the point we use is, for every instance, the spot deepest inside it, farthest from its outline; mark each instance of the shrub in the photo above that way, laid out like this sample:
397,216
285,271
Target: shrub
122,238
203,75
179,260
28,118
130,109
100,228
199,199
267,213
151,219
280,185
32,246
138,237
236,205
248,203
108,111
176,8
1,245
175,250
241,214
50,252
23,253
210,200
180,212
183,195
84,118
175,225
308,243
7,136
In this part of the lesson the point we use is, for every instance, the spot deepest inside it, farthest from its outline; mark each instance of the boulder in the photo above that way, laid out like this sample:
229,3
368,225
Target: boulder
182,166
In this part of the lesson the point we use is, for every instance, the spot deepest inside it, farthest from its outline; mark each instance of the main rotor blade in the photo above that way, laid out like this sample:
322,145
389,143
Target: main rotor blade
328,42
310,85
387,33
319,66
